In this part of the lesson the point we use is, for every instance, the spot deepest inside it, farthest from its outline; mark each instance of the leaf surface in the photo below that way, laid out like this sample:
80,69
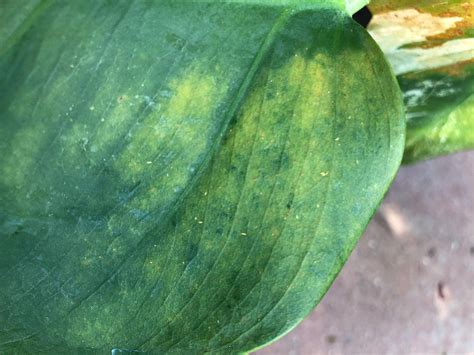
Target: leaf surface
184,177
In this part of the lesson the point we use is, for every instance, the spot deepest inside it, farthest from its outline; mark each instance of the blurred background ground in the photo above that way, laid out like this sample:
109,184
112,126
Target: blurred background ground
408,287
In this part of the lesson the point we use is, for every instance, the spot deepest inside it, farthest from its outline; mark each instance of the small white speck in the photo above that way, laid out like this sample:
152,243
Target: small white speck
92,108
149,162
372,244
425,260
377,281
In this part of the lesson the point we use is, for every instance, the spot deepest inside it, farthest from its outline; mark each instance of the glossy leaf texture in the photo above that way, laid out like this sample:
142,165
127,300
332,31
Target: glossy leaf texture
430,45
180,177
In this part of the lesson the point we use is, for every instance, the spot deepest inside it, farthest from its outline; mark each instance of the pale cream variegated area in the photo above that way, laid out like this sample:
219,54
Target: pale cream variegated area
394,30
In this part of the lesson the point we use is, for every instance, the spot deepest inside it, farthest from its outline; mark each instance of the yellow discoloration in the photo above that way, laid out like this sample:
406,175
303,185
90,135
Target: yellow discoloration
178,122
175,123
195,93
305,81
28,141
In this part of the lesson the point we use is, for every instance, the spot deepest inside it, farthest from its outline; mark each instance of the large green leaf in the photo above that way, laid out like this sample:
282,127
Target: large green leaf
183,177
430,45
